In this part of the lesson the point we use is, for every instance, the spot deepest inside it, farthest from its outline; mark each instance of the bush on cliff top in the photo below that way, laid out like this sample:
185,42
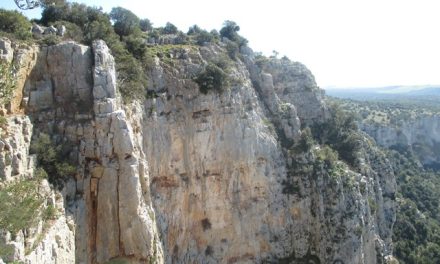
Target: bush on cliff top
14,24
126,39
122,38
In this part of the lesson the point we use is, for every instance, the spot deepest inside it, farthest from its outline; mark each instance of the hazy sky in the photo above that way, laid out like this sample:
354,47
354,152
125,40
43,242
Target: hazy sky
343,42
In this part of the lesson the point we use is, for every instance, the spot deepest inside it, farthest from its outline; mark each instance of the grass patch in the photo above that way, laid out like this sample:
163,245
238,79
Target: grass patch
166,53
373,205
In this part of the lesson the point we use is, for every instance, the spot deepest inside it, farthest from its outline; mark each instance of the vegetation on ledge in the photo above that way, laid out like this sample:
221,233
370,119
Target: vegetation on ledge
134,42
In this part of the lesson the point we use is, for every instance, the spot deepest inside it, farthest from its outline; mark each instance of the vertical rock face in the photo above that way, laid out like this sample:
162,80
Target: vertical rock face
123,218
60,80
186,177
218,165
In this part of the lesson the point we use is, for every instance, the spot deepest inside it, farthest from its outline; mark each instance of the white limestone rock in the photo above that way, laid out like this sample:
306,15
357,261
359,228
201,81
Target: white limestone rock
6,51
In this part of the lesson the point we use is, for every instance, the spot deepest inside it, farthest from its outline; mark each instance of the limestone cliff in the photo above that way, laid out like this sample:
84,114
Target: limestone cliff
187,177
422,135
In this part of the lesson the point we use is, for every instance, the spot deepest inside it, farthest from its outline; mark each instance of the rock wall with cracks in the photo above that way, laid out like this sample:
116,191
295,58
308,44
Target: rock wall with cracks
70,94
119,219
185,177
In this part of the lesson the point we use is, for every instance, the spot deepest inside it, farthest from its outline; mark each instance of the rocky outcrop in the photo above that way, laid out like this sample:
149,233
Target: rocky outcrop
217,168
14,145
38,31
71,94
186,177
22,60
295,84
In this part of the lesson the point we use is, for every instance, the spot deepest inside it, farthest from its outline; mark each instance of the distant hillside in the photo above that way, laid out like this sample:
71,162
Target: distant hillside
384,92
427,91
407,96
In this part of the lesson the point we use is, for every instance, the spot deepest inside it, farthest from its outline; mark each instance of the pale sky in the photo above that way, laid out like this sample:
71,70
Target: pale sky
345,43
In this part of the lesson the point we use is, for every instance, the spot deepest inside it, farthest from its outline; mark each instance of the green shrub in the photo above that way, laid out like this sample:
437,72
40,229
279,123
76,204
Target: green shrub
204,37
145,24
201,36
169,29
14,23
6,250
305,142
130,55
181,38
7,82
52,13
50,40
229,30
49,213
340,133
101,29
154,33
373,205
212,78
19,205
261,60
53,159
194,30
137,47
3,121
327,154
125,22
40,173
131,78
223,62
232,49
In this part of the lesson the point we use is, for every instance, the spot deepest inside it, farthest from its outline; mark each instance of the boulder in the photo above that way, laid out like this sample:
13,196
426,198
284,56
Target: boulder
61,30
50,30
37,30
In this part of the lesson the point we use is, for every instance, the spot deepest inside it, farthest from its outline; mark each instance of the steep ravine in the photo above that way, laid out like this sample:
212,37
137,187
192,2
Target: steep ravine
187,177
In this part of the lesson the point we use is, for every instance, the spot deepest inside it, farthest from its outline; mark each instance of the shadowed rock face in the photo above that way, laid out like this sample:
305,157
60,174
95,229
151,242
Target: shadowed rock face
185,177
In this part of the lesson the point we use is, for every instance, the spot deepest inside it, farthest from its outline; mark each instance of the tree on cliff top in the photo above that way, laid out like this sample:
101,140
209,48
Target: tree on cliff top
229,30
126,22
14,23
